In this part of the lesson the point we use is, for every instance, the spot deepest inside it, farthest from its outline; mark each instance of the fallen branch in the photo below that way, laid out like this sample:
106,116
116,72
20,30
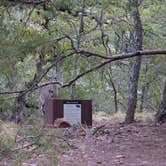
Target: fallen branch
27,137
25,146
91,131
97,129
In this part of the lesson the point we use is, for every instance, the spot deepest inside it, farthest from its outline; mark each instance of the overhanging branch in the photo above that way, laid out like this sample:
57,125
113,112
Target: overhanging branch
30,1
123,55
108,59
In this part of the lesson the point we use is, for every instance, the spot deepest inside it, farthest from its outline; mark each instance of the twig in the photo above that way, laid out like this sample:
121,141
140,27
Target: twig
25,146
29,15
27,137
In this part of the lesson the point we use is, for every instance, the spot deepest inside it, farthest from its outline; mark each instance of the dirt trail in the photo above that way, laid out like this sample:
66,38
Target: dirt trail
138,144
115,144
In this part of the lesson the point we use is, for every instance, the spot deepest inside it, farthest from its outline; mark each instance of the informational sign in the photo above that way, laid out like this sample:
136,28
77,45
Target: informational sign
72,112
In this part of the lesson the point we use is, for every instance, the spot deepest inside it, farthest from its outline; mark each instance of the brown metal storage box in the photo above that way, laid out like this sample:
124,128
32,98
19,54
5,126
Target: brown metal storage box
55,110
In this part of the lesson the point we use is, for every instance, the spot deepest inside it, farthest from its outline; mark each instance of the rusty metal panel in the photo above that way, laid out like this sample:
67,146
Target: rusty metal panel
86,117
57,108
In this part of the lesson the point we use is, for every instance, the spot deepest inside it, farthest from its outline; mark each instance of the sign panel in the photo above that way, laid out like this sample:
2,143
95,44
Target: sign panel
72,112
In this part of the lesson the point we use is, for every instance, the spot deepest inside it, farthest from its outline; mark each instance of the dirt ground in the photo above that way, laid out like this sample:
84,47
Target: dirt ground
137,144
113,144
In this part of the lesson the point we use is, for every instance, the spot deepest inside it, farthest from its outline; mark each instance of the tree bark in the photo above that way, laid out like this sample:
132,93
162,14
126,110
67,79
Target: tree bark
133,86
20,100
160,116
144,89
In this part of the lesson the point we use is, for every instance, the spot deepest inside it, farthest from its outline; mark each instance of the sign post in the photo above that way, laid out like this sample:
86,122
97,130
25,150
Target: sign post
72,111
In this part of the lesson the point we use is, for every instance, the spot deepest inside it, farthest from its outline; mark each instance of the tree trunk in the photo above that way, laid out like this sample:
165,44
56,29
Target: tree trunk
20,100
160,116
111,83
133,86
144,89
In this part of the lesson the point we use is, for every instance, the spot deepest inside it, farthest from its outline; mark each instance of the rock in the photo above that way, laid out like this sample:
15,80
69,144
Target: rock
61,123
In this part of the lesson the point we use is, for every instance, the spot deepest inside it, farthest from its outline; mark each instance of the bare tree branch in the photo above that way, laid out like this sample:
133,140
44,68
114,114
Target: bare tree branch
108,59
29,15
11,92
123,55
30,1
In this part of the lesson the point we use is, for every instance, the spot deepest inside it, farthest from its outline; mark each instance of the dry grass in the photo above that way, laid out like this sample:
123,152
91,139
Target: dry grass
8,132
147,117
8,128
101,116
22,145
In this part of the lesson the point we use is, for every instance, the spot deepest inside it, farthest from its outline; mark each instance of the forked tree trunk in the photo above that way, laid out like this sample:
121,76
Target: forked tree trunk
137,32
20,99
160,116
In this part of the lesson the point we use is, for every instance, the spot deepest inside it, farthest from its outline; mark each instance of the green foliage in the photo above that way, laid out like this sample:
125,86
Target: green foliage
26,32
65,5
